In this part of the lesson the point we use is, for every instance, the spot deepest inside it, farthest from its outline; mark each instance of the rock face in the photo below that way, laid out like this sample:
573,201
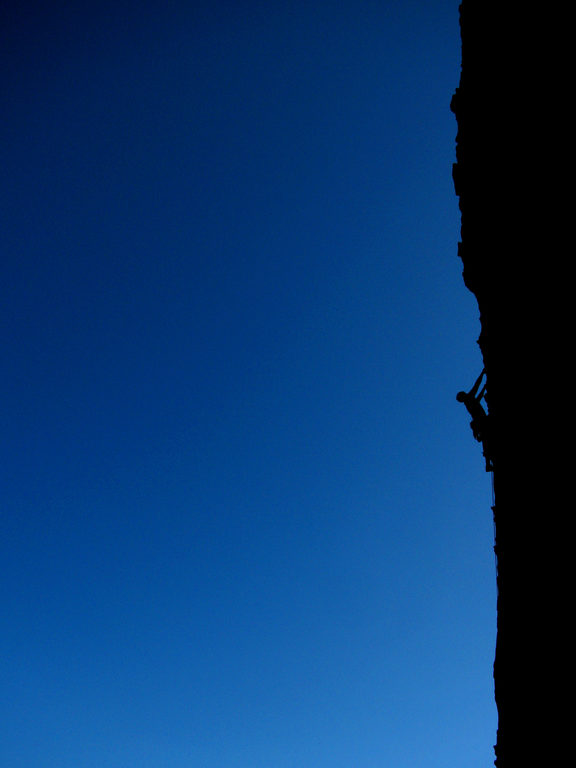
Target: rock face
513,160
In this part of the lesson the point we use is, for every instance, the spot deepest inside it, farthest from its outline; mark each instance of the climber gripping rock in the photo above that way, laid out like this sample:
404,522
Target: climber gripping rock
480,423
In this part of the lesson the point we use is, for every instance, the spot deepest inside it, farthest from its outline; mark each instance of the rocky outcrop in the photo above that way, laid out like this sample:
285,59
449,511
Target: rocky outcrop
512,147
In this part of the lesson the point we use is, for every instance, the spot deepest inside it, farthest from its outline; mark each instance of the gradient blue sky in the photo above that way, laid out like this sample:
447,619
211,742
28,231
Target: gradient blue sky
244,521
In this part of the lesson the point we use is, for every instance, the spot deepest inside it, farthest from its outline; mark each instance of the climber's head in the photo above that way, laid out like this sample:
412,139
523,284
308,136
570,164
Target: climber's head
461,396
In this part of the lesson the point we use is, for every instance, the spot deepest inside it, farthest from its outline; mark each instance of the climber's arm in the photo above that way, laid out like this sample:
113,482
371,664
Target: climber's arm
474,389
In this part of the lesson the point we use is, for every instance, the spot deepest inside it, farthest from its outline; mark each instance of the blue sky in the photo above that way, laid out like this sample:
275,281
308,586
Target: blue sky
244,521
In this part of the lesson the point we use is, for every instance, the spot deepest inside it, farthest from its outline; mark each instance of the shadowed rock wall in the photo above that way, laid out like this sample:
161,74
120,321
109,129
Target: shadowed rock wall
512,176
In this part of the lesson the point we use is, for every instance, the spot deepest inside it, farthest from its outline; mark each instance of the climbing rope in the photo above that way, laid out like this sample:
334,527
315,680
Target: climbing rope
494,528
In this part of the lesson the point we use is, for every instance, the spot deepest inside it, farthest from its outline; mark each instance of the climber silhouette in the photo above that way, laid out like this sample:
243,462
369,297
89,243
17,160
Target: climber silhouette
480,421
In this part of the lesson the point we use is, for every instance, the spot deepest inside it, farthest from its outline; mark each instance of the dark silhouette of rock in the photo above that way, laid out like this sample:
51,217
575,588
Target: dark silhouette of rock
514,160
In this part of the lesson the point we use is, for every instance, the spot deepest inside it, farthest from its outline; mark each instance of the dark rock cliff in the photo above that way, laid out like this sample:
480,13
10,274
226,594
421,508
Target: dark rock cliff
512,176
